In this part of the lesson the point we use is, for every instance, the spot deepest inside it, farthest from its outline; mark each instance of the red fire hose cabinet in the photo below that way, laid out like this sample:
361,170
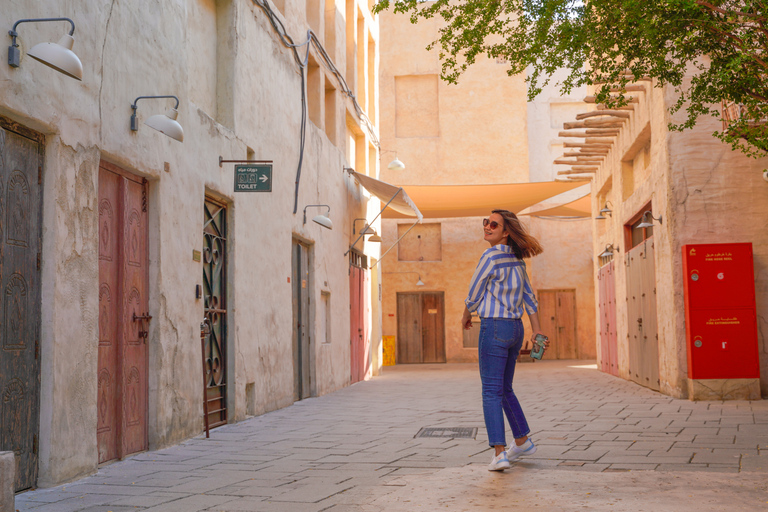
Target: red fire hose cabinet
720,319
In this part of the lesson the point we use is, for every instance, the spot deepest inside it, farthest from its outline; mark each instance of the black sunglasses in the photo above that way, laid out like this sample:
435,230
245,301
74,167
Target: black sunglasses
492,223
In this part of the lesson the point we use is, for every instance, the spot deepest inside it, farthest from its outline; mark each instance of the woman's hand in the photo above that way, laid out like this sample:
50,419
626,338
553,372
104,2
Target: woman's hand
546,341
466,319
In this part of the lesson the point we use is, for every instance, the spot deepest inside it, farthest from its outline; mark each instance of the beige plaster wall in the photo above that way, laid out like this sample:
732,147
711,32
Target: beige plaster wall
129,51
706,193
470,133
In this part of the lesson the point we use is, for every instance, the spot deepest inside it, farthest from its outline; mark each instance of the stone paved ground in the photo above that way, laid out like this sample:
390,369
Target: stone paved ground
603,444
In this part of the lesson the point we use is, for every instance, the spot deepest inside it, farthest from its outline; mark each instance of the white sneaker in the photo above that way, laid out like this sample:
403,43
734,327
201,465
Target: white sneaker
527,448
499,462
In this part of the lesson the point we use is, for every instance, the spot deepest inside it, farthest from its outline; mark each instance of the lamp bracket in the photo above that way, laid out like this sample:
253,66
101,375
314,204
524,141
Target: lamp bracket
222,161
134,106
14,55
316,206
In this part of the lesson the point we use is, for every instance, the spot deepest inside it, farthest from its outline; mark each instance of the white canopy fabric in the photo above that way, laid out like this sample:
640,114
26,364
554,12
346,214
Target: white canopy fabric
444,201
396,196
581,207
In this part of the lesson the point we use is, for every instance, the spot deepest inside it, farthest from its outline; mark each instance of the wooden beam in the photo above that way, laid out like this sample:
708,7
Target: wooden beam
600,154
584,168
598,140
573,171
588,133
602,113
603,122
593,99
625,107
578,161
593,123
575,154
629,88
592,147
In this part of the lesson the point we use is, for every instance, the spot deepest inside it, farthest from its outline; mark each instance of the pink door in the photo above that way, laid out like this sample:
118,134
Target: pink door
123,314
609,362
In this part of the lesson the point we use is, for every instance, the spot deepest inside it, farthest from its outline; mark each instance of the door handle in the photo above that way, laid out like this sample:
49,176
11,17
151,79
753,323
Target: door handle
143,333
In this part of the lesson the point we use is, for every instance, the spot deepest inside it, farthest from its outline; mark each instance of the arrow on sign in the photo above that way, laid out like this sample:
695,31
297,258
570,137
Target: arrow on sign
263,178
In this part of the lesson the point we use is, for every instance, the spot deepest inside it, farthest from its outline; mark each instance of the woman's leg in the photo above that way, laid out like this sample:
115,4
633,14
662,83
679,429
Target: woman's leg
493,359
510,403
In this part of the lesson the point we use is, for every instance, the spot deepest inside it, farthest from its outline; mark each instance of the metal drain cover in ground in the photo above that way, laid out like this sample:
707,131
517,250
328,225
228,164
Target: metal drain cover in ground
450,432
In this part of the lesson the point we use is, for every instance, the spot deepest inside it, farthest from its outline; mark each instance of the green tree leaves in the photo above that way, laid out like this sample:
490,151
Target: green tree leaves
711,51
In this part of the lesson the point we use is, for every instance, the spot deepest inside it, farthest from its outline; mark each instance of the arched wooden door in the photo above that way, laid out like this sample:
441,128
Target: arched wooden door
21,162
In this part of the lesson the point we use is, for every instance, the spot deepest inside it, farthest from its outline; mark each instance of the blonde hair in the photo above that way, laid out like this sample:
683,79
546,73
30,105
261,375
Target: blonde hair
523,244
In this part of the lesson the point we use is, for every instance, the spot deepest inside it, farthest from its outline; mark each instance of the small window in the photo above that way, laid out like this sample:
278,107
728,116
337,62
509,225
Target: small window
423,243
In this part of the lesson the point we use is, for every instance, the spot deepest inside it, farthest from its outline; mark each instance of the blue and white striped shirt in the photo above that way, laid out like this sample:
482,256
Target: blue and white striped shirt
500,287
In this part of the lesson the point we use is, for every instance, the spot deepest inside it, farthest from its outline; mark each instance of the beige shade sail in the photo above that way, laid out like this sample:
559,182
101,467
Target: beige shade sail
581,207
397,198
442,201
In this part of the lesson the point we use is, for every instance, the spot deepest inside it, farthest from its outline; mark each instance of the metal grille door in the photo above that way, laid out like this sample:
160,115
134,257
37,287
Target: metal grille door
20,200
214,283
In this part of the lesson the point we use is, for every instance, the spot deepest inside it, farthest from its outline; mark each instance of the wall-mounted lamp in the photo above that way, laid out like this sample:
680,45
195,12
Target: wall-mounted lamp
396,164
323,220
418,283
164,123
58,56
367,230
647,220
609,248
604,210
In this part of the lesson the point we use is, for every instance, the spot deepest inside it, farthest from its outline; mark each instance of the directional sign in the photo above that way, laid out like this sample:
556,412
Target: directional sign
253,178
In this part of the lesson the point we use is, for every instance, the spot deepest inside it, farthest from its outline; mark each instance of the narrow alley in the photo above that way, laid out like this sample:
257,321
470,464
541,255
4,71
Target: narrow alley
604,443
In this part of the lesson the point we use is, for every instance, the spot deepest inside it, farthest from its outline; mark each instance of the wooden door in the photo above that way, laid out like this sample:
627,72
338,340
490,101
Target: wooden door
408,328
557,316
21,160
642,336
420,328
123,314
607,303
302,329
215,309
432,328
358,323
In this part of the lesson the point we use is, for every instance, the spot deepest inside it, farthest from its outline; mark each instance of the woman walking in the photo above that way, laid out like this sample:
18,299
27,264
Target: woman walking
500,290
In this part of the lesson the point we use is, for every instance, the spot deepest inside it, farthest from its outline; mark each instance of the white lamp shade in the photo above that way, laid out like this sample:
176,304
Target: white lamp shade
419,283
59,56
323,221
167,124
396,165
645,224
375,238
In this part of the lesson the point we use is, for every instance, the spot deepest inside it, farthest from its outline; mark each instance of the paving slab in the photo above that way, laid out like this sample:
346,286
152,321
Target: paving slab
603,444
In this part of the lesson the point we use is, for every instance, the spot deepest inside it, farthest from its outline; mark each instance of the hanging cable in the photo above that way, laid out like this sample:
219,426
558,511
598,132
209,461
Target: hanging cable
312,40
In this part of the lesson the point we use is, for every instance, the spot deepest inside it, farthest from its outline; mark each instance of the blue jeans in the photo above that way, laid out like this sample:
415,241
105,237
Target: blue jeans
500,342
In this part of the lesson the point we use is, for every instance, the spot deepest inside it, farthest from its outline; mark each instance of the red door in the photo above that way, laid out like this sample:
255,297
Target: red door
123,314
609,359
358,331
